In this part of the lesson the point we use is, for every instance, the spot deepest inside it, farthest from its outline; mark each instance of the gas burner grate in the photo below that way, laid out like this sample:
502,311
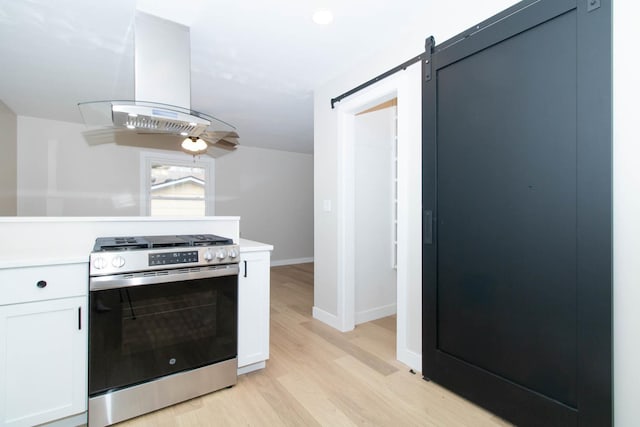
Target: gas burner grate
169,245
128,243
208,240
120,244
125,240
120,247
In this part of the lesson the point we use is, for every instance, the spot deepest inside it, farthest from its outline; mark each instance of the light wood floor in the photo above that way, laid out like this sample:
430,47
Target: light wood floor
317,376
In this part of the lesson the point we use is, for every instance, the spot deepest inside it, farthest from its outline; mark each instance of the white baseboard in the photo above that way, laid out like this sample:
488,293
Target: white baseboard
411,359
324,317
375,313
291,261
72,421
252,367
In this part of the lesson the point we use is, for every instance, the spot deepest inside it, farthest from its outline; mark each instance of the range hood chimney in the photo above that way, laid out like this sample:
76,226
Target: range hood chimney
162,61
162,101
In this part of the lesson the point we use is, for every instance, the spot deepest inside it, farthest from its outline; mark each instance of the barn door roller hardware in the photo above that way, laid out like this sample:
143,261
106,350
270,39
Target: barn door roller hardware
429,45
386,74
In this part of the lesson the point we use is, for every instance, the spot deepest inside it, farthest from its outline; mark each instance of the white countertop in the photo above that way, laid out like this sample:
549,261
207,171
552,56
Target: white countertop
33,241
29,261
253,246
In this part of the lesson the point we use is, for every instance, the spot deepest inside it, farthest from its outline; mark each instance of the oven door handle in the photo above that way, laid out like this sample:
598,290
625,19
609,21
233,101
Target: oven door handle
116,281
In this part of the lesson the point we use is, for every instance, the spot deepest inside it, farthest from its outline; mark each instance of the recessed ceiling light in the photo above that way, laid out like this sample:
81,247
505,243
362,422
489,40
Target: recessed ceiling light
322,17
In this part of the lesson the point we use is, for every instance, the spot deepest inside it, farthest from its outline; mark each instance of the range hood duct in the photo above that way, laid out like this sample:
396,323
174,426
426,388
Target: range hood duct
162,100
162,61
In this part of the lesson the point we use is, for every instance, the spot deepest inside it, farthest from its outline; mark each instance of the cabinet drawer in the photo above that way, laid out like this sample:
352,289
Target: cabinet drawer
27,284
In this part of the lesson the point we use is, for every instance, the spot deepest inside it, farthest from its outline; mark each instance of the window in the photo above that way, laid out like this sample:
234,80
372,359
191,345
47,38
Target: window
176,185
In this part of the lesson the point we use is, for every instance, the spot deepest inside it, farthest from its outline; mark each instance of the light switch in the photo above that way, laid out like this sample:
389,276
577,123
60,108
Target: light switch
326,205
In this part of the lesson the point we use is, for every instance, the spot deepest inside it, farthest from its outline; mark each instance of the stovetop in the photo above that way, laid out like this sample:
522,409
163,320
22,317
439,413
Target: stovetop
148,242
115,255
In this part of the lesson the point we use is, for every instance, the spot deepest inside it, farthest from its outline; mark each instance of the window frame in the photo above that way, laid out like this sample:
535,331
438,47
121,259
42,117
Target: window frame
148,158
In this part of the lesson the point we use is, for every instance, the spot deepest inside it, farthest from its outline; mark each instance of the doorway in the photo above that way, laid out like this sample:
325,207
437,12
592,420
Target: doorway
405,87
375,211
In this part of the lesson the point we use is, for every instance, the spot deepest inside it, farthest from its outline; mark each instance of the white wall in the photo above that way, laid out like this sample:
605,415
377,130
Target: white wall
60,174
8,155
272,191
375,277
626,213
62,240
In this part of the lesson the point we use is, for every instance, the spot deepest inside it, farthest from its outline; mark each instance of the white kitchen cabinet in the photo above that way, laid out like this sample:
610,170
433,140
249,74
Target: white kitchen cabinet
253,310
43,344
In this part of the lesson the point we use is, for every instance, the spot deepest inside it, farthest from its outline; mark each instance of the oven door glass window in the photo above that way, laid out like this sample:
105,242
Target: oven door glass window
140,333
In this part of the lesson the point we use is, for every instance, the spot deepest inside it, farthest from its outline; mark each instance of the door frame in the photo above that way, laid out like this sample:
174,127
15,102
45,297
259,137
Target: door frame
404,86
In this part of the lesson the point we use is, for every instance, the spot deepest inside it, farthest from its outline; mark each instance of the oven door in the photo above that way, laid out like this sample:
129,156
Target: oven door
147,325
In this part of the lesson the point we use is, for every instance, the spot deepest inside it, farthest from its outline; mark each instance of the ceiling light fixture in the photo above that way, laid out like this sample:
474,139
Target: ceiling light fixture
322,17
194,145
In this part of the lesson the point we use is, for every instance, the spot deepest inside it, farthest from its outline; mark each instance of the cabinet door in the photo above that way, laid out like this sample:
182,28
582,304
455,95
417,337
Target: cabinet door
43,356
253,308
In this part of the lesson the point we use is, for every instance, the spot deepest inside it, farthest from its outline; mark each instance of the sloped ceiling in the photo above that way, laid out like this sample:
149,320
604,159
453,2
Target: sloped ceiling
254,63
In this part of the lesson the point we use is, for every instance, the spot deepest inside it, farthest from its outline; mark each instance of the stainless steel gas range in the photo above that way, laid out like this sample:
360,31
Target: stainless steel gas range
162,322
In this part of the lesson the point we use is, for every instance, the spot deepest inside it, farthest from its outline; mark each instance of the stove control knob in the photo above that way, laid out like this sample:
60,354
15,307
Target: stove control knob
233,252
99,263
208,256
117,262
221,254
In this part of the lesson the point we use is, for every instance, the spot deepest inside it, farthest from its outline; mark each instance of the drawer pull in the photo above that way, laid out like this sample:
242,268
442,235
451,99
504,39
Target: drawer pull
41,284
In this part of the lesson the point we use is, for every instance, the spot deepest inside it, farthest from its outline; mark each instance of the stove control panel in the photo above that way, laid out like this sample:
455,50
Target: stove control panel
117,262
167,258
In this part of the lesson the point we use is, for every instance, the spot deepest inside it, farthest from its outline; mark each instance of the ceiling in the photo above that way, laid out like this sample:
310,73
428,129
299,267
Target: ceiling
254,63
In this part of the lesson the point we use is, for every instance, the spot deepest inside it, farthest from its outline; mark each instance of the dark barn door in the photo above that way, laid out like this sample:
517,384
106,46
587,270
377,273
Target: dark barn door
517,209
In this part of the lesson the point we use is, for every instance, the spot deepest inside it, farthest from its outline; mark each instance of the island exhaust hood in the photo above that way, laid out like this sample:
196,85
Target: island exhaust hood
162,101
